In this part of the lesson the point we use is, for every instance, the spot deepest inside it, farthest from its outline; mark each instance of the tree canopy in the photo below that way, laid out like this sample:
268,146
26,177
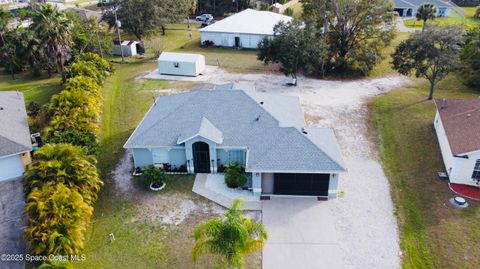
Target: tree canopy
431,54
230,237
138,17
426,12
470,56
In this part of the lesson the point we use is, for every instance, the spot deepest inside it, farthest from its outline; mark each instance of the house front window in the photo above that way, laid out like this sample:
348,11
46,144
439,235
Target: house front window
476,170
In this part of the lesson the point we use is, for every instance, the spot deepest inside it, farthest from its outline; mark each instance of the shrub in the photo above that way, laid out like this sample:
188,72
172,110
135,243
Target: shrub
56,220
84,139
235,175
154,175
155,44
64,164
33,109
288,11
102,64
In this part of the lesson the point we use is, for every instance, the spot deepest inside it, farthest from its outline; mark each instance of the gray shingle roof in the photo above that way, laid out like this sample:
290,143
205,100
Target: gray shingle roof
204,128
417,3
244,122
14,131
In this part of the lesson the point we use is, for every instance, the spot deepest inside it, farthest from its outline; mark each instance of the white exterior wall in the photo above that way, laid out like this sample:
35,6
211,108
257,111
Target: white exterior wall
11,167
447,155
184,68
127,50
267,183
459,169
463,169
248,41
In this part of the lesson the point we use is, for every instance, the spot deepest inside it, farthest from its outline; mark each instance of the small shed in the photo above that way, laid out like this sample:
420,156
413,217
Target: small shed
181,64
128,47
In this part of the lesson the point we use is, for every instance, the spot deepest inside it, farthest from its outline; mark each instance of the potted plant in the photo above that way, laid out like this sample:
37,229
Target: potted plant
155,178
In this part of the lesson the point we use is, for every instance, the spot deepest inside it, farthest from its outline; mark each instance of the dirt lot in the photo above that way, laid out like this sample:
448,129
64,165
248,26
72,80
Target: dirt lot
364,214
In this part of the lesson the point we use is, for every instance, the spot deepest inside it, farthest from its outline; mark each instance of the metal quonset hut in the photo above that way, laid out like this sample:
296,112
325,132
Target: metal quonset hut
181,64
243,30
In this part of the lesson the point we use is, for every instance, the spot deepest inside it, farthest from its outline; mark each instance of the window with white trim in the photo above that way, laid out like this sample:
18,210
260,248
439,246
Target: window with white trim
476,170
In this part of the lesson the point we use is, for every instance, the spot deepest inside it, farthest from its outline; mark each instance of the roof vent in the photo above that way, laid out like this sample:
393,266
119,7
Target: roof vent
304,131
258,118
1,108
444,103
469,115
261,102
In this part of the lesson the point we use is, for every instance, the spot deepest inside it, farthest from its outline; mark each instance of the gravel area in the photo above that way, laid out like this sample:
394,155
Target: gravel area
365,224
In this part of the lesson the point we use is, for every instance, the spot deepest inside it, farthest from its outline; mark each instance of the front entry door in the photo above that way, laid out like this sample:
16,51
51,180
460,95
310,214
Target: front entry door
237,42
201,157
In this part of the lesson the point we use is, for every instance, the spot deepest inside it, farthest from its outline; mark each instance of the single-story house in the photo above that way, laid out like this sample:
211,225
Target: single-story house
128,47
15,141
457,124
242,30
202,131
408,8
181,64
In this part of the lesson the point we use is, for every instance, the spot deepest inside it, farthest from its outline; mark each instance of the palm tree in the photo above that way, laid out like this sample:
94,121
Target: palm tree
230,237
53,29
56,220
426,12
66,164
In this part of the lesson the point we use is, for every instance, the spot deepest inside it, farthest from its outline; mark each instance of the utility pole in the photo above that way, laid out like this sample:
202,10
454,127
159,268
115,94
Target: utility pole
99,43
119,24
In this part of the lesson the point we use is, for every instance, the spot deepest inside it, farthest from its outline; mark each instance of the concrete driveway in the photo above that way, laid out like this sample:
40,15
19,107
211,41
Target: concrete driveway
11,207
301,234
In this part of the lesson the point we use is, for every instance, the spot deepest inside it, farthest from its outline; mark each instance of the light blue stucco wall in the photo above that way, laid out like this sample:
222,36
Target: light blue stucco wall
11,167
333,186
226,156
257,183
212,150
145,157
142,157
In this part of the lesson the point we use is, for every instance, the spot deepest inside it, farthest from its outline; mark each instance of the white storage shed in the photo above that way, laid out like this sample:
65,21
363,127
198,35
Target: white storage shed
242,30
181,64
129,48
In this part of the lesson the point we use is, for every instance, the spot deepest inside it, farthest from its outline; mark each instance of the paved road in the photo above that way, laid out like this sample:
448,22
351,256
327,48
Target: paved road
301,234
11,207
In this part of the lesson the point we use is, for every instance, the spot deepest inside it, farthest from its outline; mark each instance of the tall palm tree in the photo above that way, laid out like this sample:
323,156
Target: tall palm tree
426,12
66,164
56,220
230,237
53,29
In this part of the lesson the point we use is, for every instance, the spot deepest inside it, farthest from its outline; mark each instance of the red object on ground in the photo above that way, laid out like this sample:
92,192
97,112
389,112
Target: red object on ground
466,191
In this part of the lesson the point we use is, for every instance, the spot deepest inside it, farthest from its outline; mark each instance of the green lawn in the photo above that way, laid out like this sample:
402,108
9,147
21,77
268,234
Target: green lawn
33,88
468,20
141,241
384,67
433,234
297,10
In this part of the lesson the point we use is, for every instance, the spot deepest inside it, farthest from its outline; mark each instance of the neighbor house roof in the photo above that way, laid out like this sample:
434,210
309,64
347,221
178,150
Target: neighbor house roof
249,21
417,3
243,119
461,121
179,57
14,131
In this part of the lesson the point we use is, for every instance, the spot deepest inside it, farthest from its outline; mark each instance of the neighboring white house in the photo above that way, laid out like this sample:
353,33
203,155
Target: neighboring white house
242,30
181,64
408,8
15,141
457,124
202,131
129,48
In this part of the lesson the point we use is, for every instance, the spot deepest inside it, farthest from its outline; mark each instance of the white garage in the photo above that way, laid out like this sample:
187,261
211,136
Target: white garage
242,30
181,64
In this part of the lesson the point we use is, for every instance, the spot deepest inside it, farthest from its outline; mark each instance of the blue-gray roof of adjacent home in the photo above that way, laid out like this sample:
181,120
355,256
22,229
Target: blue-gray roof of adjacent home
417,3
14,130
270,126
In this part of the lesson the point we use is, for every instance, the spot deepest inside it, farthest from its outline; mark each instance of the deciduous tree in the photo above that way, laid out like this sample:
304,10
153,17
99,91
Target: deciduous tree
431,54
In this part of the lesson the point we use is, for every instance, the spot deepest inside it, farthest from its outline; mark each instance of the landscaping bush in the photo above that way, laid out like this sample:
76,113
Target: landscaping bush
64,164
84,139
56,220
235,175
90,65
153,175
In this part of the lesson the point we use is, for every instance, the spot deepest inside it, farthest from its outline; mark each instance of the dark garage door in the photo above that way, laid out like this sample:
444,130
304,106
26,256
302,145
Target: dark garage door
301,184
